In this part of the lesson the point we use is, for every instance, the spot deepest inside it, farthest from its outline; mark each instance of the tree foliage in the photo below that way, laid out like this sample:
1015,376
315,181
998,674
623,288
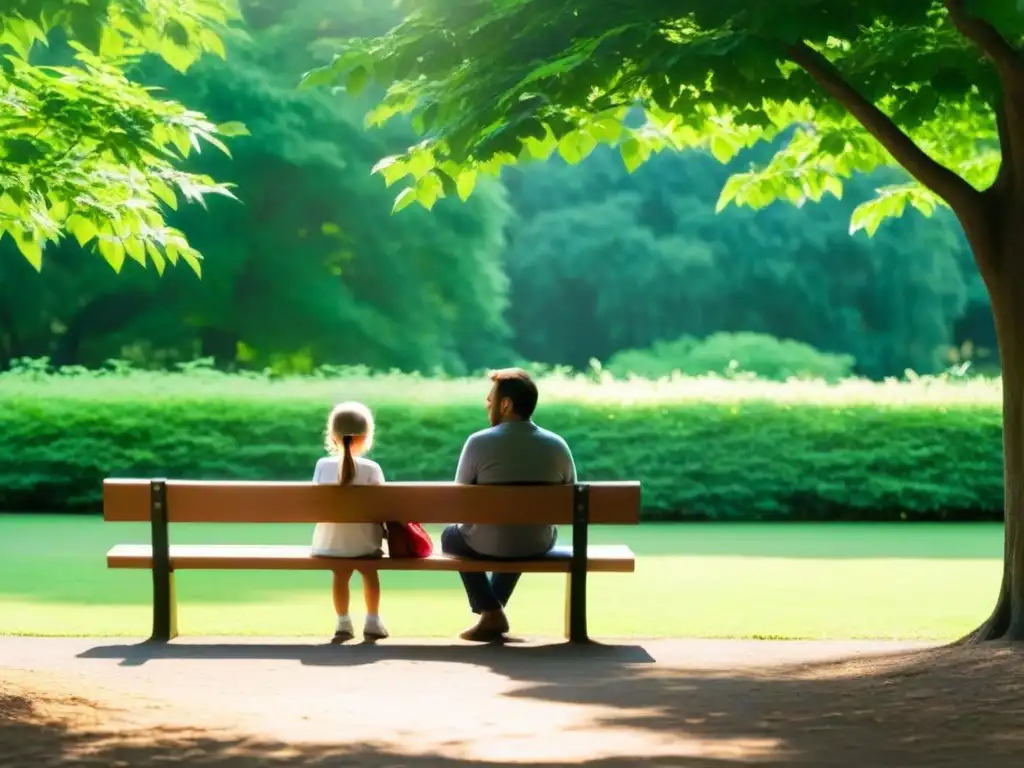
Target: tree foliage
493,83
310,266
88,151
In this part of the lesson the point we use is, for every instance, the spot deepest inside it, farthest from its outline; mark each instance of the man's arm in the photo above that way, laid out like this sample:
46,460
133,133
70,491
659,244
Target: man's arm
466,472
570,469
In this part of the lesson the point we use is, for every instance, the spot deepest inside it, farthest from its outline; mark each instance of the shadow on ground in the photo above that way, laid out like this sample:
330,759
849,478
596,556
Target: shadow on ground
510,660
922,709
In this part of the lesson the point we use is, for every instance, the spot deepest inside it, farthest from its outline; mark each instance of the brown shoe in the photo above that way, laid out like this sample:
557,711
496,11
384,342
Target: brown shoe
490,628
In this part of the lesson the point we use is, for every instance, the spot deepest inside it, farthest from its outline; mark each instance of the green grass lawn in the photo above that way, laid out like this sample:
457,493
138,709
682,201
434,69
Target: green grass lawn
787,581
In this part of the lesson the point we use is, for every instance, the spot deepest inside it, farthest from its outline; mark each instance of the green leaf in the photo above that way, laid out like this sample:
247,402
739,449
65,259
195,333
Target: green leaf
723,149
465,184
730,190
420,163
111,43
395,172
385,163
405,198
182,139
156,257
164,192
541,149
319,77
31,249
82,228
171,252
21,151
447,182
59,210
576,146
112,251
569,148
135,249
10,207
634,153
177,33
428,190
14,33
179,57
211,42
833,144
868,216
392,168
833,186
607,130
357,80
192,259
233,128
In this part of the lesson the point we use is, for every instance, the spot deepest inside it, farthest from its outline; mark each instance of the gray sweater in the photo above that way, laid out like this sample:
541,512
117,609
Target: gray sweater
513,452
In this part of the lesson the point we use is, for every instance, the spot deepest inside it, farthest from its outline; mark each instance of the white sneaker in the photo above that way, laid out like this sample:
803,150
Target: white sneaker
374,628
343,631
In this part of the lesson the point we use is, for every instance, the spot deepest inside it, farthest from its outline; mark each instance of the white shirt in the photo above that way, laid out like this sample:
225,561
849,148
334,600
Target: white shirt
347,539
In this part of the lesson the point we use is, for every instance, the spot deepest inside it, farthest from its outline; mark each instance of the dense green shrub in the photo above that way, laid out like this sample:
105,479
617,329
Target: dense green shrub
704,448
732,353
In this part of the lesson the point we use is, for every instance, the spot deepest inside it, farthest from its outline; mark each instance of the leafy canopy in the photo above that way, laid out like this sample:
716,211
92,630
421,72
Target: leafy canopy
89,152
492,82
311,268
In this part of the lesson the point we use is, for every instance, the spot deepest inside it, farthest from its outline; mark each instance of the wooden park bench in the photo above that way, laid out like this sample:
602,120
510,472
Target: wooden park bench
160,502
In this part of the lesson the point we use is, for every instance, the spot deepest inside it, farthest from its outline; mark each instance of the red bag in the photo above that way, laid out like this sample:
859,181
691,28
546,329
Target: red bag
408,540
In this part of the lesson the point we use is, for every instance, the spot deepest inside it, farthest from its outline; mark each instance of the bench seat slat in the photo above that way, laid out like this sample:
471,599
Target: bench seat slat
280,557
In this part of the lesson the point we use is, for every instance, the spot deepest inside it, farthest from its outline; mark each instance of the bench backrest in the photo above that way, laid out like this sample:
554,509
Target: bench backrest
191,501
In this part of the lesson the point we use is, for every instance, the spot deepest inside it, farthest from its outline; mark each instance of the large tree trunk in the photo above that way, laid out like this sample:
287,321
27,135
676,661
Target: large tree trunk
1004,257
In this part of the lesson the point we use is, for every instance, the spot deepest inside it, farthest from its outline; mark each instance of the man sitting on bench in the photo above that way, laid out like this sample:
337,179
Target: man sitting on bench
514,450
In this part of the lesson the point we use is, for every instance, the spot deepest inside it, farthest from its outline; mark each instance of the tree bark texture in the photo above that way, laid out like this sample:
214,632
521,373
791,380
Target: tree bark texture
1006,290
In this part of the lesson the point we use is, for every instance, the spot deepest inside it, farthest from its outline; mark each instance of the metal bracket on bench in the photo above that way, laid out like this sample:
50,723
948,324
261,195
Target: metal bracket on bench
577,619
163,587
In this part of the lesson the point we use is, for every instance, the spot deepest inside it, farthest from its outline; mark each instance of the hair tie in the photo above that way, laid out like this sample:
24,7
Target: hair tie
346,440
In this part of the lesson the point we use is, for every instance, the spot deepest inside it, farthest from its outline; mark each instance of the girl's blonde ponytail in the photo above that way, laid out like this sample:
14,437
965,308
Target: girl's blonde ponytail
347,465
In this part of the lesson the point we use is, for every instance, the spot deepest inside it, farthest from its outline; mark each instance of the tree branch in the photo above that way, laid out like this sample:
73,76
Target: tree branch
960,195
1007,164
986,37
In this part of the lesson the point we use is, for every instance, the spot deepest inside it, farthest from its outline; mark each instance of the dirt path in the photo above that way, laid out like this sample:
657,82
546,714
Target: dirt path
698,704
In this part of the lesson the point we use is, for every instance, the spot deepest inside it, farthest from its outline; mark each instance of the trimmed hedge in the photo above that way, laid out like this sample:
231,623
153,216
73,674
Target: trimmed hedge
703,448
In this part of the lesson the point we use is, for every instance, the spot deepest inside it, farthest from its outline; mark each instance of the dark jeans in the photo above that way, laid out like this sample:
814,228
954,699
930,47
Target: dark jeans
485,593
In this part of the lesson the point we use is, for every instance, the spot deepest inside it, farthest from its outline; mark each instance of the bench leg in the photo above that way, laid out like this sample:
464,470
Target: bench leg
165,609
576,582
575,610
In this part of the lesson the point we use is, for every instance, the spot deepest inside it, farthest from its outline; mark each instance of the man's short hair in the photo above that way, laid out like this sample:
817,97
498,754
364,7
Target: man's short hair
517,386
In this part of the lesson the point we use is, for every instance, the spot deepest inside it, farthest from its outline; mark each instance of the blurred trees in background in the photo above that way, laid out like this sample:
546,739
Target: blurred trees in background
614,261
562,265
308,265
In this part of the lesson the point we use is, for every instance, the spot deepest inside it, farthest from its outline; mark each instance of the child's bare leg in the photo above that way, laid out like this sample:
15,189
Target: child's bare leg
343,631
340,591
374,627
371,590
